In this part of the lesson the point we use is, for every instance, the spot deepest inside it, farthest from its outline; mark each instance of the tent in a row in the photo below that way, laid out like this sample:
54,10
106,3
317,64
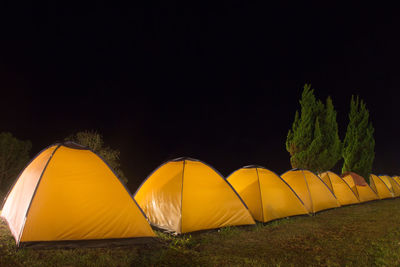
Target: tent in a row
186,195
393,186
340,188
296,192
315,194
267,195
68,193
360,187
380,187
397,179
270,196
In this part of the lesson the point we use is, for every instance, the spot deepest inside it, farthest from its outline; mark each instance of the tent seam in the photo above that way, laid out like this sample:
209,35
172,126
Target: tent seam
347,186
330,181
294,192
259,187
19,175
119,179
309,192
393,182
34,193
183,174
325,185
385,185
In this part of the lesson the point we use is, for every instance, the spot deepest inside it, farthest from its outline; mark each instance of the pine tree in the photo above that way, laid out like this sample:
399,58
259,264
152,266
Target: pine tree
331,148
313,142
359,142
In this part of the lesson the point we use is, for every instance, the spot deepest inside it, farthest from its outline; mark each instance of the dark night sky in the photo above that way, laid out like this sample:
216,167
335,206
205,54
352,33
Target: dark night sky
220,83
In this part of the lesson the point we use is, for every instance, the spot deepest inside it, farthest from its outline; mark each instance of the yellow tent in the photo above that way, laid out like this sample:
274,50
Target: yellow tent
267,196
362,190
379,186
393,186
397,179
186,195
340,188
68,193
314,193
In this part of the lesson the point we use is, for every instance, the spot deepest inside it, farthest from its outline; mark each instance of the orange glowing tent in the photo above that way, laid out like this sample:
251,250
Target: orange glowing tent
360,187
340,188
187,195
66,194
267,195
393,186
379,186
314,193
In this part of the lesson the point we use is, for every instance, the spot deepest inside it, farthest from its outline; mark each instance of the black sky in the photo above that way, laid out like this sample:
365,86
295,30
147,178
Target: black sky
220,83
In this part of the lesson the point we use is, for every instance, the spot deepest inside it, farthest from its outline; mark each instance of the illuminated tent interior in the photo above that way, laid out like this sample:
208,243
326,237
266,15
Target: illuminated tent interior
186,195
314,193
360,187
379,186
267,195
68,193
340,188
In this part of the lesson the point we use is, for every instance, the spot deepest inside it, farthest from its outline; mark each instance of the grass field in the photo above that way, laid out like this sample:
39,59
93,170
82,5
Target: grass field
362,235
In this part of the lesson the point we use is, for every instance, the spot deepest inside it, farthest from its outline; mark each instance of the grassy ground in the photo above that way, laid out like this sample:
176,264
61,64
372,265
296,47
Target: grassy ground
360,235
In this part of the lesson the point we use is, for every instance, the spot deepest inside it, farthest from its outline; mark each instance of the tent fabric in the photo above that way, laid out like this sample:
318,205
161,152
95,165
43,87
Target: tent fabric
379,186
187,195
340,188
356,179
267,195
71,194
359,186
393,186
396,178
314,193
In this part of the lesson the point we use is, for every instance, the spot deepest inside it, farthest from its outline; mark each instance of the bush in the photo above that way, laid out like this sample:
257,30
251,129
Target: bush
14,155
94,141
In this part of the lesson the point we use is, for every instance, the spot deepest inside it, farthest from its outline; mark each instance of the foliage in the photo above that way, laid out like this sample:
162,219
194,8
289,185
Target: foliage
94,140
14,155
313,142
359,142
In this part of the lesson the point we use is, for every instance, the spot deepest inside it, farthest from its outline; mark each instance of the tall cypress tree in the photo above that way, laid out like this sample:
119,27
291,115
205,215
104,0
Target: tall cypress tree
313,142
359,142
331,148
